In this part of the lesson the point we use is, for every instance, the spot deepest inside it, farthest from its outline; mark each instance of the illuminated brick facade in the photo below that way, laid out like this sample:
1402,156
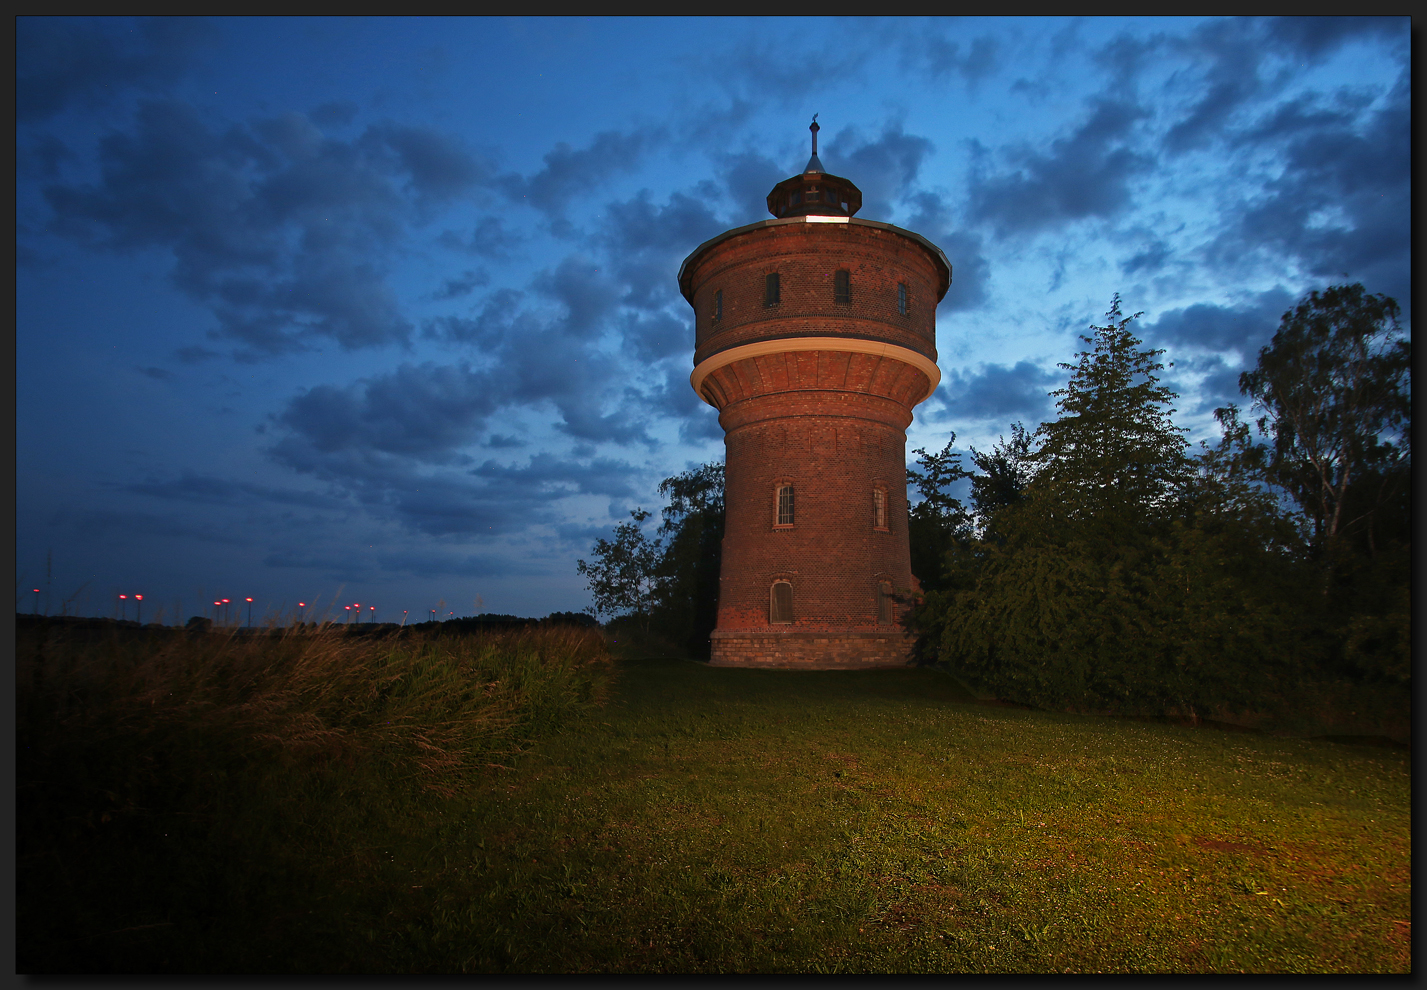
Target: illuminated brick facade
815,376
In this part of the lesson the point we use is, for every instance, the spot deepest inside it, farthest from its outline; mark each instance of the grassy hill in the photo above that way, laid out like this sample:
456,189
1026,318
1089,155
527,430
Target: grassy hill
718,820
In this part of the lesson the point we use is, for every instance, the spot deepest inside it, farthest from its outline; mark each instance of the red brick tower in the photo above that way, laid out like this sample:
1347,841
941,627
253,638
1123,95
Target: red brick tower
815,335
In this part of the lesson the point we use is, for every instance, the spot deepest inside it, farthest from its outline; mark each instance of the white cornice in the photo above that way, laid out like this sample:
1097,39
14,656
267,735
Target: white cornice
851,345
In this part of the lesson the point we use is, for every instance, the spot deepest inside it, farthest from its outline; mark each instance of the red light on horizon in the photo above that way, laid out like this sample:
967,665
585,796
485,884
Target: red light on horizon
123,596
139,597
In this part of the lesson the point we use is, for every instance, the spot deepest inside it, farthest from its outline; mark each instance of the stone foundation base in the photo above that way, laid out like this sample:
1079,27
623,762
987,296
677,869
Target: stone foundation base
810,649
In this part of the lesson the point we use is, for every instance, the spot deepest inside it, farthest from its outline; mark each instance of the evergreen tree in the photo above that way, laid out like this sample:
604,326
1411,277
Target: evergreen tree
1113,447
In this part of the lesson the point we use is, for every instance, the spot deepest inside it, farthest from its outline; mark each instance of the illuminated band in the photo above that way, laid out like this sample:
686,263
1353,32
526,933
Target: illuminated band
793,344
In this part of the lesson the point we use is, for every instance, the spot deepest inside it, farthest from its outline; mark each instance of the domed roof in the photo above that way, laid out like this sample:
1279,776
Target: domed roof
814,192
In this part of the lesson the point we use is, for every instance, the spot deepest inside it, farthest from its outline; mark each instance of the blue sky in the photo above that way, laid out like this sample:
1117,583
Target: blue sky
385,310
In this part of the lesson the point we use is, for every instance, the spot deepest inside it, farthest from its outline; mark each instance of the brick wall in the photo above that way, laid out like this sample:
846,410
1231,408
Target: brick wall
810,651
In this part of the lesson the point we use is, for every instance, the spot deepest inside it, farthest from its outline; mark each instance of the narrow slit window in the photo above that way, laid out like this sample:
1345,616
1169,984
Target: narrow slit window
770,289
879,508
902,298
842,286
718,306
885,612
780,605
785,505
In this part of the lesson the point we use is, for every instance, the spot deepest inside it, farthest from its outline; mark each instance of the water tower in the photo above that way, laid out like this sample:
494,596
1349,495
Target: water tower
815,336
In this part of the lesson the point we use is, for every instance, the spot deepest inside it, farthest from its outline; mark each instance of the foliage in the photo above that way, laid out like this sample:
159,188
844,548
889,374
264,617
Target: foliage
687,609
1006,472
938,525
1114,573
624,577
1113,448
1335,391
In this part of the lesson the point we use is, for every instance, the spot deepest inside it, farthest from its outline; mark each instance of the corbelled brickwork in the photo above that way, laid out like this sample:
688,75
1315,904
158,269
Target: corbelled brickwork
815,392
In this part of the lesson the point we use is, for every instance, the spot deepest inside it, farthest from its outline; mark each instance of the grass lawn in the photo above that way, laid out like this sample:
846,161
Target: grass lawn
721,820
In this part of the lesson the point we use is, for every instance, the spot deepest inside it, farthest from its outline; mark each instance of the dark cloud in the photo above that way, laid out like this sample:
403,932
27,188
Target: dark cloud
423,412
1209,327
646,244
337,113
488,238
158,374
1150,260
462,285
970,271
500,441
940,57
107,524
284,233
1318,37
63,61
885,168
1341,204
568,172
766,69
194,355
1231,51
551,476
996,391
749,176
1086,174
211,490
1215,381
40,157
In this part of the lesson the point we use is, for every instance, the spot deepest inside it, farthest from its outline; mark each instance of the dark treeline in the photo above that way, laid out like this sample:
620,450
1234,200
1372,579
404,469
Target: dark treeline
1103,566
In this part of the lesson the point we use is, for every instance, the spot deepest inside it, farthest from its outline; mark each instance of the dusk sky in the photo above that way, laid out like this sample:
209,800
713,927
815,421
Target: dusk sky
385,311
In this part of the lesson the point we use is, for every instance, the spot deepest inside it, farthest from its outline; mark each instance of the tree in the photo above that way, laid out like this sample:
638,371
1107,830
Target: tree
939,522
1334,386
624,578
1113,447
687,610
1006,471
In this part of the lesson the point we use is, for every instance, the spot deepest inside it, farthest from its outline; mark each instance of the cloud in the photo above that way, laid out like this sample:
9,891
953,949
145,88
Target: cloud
996,391
748,177
488,238
1318,37
66,61
548,475
1340,205
885,168
937,56
570,171
1209,327
964,249
646,244
424,412
210,490
158,374
283,232
1086,174
462,285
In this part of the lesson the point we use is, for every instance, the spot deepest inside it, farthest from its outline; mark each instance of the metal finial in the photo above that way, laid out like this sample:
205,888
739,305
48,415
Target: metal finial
815,128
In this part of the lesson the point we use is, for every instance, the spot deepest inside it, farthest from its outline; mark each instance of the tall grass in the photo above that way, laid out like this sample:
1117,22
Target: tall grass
165,776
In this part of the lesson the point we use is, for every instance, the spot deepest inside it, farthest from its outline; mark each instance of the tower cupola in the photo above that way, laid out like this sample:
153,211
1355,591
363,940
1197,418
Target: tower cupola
814,192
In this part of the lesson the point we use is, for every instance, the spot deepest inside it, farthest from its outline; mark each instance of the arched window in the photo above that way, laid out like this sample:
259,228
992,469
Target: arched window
785,505
780,602
842,286
886,613
879,508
